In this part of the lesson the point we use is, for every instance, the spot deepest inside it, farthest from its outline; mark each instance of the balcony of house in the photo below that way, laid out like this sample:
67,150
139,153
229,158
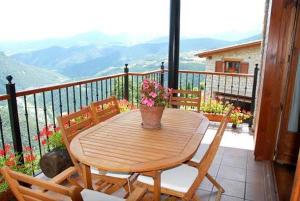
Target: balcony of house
234,166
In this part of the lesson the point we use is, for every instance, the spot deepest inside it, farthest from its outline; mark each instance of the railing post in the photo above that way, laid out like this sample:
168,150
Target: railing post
14,118
162,73
254,93
126,87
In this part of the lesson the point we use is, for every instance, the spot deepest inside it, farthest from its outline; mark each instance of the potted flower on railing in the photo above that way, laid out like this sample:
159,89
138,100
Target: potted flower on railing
57,159
154,98
10,159
238,117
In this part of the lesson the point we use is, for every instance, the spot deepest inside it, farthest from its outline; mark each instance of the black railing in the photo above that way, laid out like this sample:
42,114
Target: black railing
24,114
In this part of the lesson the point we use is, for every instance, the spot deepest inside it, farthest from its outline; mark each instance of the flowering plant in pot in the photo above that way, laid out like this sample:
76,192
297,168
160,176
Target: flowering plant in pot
238,116
57,159
154,98
9,159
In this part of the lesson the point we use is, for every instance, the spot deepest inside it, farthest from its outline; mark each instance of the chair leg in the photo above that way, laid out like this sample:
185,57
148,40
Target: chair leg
215,183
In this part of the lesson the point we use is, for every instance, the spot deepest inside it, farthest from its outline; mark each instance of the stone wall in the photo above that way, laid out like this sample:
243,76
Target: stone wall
252,55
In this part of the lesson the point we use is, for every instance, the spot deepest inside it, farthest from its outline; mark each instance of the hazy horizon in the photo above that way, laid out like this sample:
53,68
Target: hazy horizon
135,20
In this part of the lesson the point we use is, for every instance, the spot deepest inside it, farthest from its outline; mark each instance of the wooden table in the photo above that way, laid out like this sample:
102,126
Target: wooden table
120,144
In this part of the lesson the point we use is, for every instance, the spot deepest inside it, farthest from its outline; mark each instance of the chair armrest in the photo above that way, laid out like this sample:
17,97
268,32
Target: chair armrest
137,194
64,175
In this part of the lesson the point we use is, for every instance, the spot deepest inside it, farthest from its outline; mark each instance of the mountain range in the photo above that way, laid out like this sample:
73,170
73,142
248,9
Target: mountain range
84,61
95,55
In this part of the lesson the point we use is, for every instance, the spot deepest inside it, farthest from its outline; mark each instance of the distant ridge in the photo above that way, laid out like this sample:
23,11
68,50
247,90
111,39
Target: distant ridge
25,75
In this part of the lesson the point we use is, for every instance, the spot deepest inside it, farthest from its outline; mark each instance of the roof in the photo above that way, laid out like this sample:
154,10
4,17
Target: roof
229,48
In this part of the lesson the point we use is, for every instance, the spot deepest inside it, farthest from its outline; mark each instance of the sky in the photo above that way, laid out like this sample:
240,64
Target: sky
22,20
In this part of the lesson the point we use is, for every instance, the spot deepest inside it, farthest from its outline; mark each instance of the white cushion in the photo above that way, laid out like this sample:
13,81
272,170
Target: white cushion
178,179
90,195
200,153
119,175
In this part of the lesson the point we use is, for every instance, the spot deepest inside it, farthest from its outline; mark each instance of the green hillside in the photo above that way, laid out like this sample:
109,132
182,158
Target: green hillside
25,76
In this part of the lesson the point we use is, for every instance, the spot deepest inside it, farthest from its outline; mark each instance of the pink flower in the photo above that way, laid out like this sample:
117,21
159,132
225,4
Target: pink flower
153,94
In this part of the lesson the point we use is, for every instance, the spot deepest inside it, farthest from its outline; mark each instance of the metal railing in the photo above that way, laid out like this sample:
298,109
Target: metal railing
23,114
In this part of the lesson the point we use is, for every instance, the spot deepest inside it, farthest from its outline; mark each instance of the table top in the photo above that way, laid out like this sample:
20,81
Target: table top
121,144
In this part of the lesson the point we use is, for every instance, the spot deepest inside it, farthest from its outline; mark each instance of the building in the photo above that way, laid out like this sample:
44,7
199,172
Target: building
240,58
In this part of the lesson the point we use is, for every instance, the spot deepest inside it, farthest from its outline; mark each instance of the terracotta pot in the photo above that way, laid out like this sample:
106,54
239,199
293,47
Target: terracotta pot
151,116
7,196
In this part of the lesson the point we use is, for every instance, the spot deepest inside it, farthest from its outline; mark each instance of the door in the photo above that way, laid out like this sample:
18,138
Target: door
289,134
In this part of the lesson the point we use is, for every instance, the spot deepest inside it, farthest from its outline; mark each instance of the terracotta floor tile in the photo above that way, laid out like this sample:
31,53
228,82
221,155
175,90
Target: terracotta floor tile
232,188
232,173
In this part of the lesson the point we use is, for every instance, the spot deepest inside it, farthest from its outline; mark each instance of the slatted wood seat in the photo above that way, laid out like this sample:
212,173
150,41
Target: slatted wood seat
55,192
73,124
185,98
183,181
105,109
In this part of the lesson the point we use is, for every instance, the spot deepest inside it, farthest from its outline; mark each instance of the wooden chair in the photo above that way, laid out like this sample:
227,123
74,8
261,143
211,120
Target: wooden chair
183,181
186,98
73,124
56,192
105,109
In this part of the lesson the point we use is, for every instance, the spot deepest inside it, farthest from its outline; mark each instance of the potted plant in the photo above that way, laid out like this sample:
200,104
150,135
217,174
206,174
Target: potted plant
10,159
238,117
215,110
154,98
125,106
57,159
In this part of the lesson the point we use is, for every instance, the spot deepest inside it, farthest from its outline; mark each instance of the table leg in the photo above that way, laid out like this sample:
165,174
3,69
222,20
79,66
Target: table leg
87,177
157,185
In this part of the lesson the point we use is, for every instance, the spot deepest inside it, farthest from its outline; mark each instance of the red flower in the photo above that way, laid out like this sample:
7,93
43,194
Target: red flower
44,142
29,158
7,148
2,152
27,148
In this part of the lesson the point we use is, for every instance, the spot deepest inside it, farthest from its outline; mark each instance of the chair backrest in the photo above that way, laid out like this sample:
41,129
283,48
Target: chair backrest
74,123
24,193
187,98
209,156
105,109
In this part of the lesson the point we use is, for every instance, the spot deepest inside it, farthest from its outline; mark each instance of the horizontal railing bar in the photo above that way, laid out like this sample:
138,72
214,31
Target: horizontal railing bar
60,86
70,84
214,73
4,97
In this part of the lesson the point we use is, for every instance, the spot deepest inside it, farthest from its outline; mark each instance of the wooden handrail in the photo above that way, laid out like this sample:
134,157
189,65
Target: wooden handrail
216,73
70,84
64,85
4,97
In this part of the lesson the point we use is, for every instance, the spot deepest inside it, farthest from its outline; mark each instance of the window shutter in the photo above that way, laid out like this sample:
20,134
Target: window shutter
244,68
219,66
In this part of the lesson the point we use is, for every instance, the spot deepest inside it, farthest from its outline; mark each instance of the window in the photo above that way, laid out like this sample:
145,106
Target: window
232,66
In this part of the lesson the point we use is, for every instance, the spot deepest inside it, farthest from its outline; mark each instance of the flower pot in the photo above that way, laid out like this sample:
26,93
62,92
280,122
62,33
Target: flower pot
234,126
55,161
151,116
7,196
